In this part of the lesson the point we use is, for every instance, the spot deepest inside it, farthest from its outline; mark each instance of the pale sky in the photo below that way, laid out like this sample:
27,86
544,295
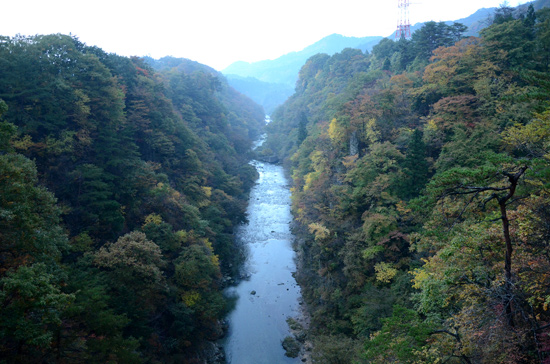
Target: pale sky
220,32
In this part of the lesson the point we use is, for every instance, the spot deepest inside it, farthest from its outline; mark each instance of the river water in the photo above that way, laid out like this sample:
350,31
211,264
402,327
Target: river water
269,295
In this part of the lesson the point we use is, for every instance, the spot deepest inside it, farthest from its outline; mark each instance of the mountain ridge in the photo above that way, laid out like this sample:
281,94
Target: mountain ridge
284,69
271,82
280,74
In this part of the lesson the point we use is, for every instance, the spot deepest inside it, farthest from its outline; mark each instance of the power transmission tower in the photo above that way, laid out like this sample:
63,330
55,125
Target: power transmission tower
403,23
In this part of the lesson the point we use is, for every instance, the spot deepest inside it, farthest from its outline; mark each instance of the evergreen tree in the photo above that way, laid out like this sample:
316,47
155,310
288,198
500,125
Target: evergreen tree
415,167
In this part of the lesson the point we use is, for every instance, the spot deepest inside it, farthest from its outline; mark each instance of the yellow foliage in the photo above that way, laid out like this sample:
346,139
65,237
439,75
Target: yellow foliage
215,260
208,245
181,235
204,200
372,134
336,132
384,272
402,208
153,219
420,276
533,137
319,160
207,191
308,179
431,125
191,298
22,143
319,230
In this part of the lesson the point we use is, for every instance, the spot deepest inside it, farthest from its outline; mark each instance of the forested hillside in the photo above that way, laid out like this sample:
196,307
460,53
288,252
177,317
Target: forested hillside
271,82
119,190
420,180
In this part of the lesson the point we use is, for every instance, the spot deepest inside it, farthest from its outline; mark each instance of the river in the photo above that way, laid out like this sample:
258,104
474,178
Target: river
269,294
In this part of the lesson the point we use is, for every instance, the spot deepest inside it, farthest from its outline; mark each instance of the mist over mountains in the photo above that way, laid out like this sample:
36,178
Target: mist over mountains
271,82
284,70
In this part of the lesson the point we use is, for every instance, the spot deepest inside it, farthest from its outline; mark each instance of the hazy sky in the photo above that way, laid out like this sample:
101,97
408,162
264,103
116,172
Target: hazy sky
219,32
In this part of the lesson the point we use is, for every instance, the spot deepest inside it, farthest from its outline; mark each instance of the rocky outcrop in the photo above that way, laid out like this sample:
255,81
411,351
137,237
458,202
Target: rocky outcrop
268,158
212,353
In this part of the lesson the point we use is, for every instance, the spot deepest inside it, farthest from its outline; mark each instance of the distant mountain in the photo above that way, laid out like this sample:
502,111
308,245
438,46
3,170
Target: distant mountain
271,82
284,70
269,95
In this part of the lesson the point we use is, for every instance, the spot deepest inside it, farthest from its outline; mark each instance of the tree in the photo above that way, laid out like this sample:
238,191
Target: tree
7,130
415,166
503,13
512,41
434,35
384,49
32,309
96,209
135,264
492,183
31,242
402,339
30,228
131,257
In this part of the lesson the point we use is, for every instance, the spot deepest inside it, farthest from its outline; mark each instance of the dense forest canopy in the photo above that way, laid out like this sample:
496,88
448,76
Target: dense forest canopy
420,186
120,186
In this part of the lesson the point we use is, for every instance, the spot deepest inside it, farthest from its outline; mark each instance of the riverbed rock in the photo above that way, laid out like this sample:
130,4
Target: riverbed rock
291,346
212,353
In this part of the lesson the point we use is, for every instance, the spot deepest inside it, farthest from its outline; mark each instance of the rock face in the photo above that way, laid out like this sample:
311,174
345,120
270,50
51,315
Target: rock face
213,353
353,144
268,159
299,345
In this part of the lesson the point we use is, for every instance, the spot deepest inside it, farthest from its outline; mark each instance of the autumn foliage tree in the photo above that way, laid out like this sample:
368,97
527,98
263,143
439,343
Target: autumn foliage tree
419,193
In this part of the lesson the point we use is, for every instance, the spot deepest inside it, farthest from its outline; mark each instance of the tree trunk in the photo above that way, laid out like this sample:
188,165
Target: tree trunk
507,262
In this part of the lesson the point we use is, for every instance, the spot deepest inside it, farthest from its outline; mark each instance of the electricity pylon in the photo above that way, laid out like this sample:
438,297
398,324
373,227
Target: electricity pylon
403,23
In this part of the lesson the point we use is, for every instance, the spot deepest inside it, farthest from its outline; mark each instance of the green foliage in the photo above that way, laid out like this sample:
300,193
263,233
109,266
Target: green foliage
7,130
401,339
31,279
29,217
433,35
335,350
148,164
32,308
